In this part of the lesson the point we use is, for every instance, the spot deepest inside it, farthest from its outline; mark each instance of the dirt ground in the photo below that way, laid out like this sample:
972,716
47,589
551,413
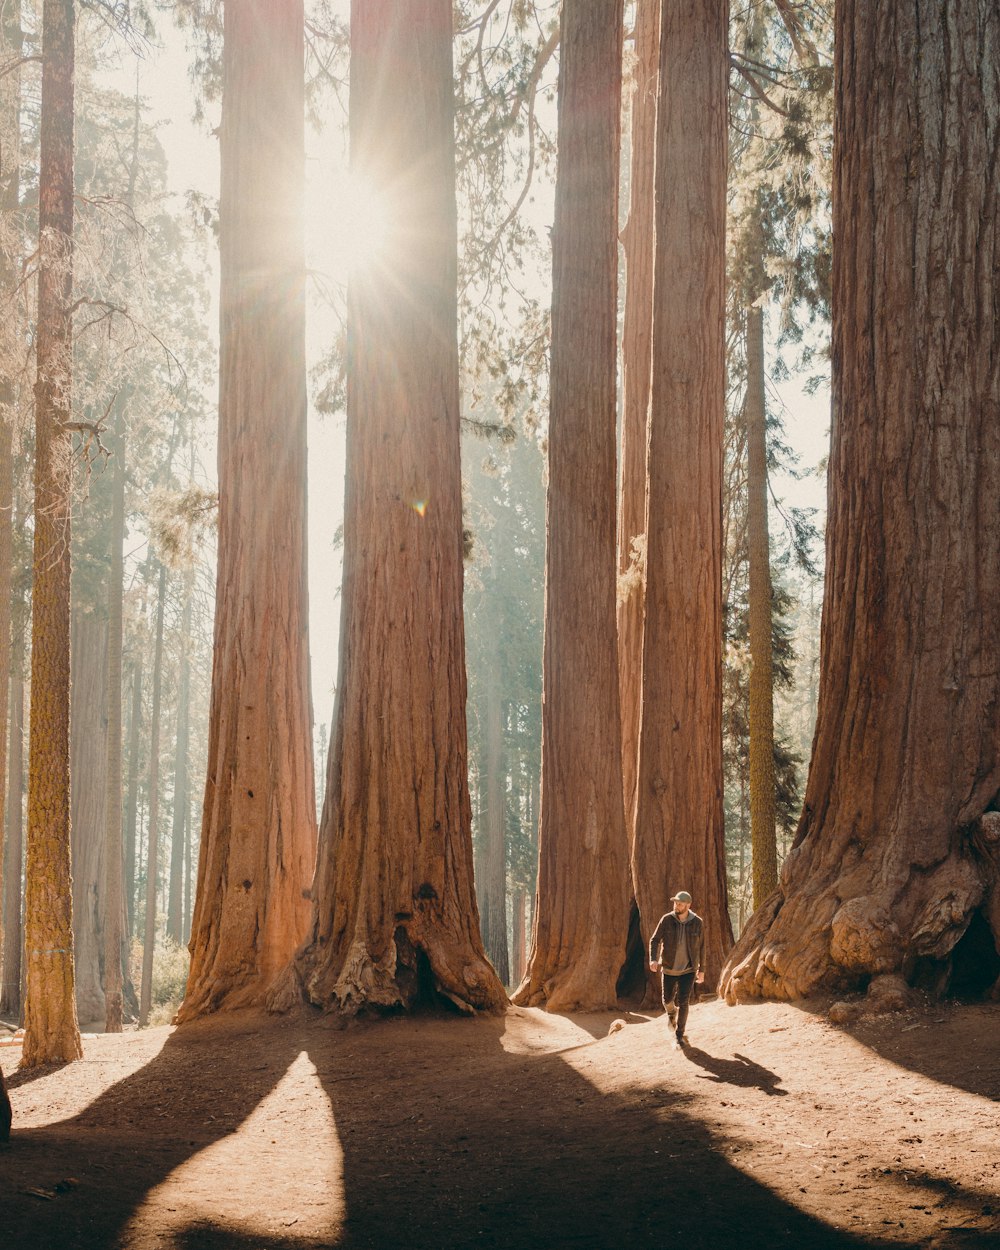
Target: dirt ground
772,1128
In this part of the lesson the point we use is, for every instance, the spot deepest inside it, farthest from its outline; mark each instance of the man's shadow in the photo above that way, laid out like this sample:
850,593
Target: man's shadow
739,1071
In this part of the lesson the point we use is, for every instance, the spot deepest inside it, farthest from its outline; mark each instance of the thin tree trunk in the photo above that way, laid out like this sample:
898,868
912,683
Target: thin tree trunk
762,789
175,898
114,901
679,841
395,917
132,793
13,937
153,837
88,808
637,335
520,956
186,928
897,854
51,1030
259,828
581,921
493,877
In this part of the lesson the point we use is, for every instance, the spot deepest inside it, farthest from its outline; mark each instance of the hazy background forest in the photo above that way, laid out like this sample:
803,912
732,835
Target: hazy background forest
145,365
469,471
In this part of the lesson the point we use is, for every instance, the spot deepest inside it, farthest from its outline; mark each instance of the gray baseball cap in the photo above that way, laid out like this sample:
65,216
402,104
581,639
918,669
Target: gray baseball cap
681,896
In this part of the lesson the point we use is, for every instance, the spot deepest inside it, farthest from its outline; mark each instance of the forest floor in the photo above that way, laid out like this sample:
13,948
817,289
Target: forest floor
772,1128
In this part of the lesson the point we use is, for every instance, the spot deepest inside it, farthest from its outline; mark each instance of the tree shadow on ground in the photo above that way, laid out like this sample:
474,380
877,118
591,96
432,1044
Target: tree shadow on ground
449,1137
955,1044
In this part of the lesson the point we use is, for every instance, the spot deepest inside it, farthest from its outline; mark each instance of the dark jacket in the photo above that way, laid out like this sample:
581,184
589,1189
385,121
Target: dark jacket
663,943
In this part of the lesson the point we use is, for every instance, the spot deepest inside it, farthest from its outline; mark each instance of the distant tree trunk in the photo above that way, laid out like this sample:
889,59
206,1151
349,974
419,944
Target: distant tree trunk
132,790
762,790
13,934
395,917
493,877
679,823
153,836
88,808
51,1031
259,828
897,855
637,334
581,921
175,897
114,901
520,954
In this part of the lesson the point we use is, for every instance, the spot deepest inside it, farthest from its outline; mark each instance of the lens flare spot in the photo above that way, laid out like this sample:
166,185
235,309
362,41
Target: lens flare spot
419,506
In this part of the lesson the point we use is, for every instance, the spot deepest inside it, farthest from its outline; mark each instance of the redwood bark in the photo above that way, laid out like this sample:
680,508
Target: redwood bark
898,848
395,917
637,336
581,918
51,1030
259,824
88,808
679,822
762,789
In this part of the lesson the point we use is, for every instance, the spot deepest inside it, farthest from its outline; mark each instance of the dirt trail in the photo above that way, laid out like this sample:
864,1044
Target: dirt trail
772,1128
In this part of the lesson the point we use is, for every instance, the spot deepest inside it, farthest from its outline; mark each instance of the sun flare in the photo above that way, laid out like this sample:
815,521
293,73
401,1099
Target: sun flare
357,223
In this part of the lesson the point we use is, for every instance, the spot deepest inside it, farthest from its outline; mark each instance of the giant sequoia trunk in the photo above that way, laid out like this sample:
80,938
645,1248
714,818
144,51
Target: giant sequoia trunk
88,809
637,332
679,815
259,827
762,786
395,916
51,1030
897,855
581,918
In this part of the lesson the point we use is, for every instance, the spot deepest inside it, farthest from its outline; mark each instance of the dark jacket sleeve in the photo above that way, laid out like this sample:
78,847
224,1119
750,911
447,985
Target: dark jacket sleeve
656,939
695,946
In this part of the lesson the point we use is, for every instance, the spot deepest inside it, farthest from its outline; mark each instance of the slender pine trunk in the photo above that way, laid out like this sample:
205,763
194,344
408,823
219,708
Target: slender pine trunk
153,837
114,901
51,1030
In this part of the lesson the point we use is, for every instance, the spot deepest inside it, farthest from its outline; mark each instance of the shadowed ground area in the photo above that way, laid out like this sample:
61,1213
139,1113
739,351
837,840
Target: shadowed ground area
770,1128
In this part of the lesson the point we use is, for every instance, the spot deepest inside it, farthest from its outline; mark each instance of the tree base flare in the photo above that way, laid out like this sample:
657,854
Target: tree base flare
409,975
937,927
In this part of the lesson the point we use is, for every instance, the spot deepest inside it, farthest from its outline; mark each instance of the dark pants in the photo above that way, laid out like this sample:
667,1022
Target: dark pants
679,989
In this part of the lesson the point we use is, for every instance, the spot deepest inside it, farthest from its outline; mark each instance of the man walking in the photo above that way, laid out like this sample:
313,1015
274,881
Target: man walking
675,951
